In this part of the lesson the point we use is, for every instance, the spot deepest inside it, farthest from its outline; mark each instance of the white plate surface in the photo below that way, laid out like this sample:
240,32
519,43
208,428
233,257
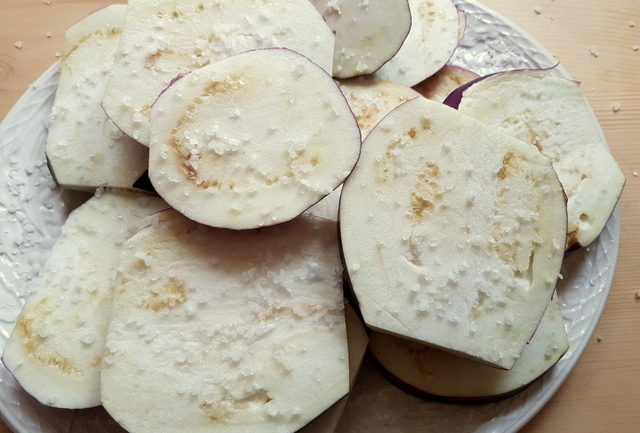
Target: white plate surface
32,211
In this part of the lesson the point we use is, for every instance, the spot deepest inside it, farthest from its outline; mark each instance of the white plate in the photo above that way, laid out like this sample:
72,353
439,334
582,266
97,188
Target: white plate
32,211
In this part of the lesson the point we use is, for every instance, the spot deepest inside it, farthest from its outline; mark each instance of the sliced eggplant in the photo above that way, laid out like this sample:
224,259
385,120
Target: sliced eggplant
252,140
370,100
434,36
226,331
448,79
163,39
552,114
84,148
452,233
357,341
55,349
368,33
432,373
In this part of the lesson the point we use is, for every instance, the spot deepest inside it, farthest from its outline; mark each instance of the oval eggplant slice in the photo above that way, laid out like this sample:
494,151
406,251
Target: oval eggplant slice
253,140
56,348
368,33
370,100
432,373
452,233
552,114
163,39
84,148
439,86
358,341
226,331
433,38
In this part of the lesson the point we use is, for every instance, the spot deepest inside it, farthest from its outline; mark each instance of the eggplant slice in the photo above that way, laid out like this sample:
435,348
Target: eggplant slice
371,99
551,113
226,331
432,373
434,36
55,350
84,148
478,224
163,39
368,33
252,140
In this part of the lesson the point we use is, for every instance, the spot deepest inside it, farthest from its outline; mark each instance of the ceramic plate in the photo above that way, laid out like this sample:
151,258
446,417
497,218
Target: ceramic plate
32,210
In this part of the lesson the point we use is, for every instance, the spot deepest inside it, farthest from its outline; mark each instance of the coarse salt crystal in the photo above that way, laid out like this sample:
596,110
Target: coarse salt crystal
18,44
594,52
616,107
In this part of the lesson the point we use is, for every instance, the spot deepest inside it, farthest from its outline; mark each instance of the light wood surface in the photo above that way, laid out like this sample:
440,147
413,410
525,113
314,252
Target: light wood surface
602,394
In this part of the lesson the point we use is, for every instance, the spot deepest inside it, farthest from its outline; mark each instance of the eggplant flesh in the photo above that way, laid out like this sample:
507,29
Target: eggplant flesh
478,224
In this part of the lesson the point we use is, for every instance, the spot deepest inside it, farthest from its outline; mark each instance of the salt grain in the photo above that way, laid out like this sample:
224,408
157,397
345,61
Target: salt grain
538,10
635,47
18,44
594,52
631,24
616,107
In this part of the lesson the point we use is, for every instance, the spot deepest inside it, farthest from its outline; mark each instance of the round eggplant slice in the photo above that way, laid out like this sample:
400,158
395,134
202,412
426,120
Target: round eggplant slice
163,39
370,100
56,348
430,372
251,141
551,113
84,148
439,86
452,233
433,38
368,34
226,331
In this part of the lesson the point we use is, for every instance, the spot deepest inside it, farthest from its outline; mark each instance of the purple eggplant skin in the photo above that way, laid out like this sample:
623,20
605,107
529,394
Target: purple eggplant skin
455,98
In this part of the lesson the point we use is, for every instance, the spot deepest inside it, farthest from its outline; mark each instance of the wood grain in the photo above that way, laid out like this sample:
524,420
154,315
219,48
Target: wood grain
602,394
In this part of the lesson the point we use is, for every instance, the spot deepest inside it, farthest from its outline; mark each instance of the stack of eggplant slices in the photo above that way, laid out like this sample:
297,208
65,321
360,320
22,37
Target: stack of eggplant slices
287,146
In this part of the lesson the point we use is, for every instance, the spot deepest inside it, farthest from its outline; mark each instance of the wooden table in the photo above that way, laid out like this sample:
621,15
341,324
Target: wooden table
593,39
